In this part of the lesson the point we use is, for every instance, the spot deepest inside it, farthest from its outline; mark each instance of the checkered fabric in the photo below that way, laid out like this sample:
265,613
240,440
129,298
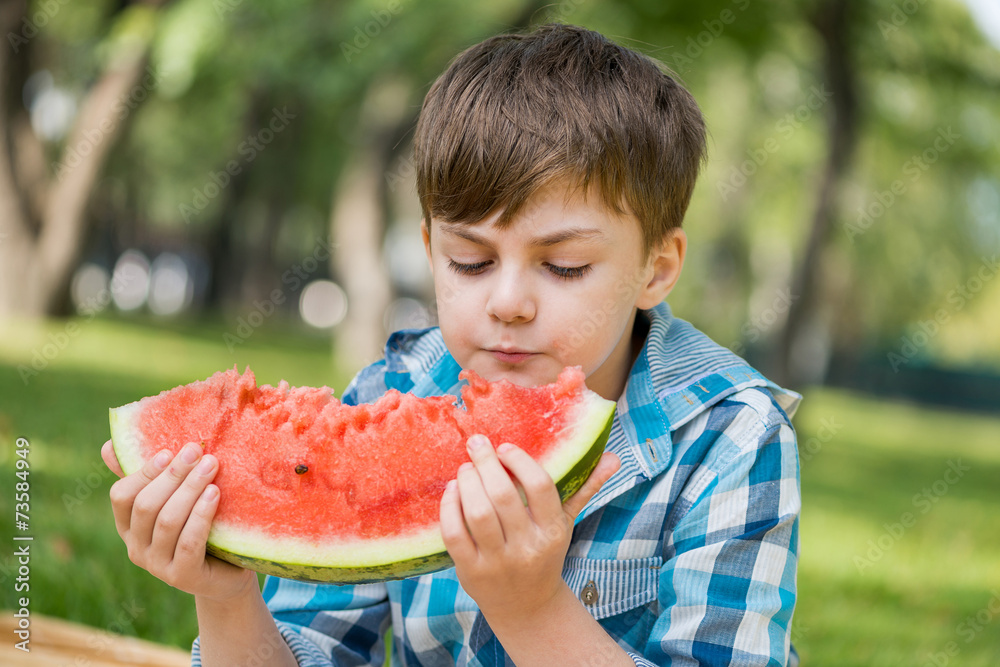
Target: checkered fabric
688,554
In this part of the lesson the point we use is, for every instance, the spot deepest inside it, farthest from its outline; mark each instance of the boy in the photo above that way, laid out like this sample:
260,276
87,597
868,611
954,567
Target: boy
553,170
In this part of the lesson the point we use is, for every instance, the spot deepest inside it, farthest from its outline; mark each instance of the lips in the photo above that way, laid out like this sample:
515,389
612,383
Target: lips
510,355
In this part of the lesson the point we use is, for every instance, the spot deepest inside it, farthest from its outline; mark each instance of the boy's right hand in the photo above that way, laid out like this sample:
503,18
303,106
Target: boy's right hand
164,511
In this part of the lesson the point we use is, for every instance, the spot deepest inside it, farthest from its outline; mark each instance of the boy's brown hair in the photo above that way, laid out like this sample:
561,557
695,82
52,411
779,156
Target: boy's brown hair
516,112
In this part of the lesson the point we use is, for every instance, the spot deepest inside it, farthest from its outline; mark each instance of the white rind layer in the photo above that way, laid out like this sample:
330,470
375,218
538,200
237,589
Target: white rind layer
334,552
126,436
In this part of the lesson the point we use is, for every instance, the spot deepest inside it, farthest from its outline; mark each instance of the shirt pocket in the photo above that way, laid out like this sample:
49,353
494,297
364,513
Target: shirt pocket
608,587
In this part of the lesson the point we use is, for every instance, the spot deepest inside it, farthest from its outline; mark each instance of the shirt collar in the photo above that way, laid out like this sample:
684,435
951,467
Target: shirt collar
679,373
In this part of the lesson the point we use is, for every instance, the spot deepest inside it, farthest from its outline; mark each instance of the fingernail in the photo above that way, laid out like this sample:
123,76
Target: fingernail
505,447
477,442
211,491
162,459
205,466
190,453
465,466
451,486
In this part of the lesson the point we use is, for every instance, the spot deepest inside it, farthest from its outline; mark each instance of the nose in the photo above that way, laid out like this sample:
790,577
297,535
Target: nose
510,298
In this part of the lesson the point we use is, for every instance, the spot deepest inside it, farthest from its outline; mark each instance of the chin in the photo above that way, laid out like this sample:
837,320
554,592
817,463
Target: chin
528,377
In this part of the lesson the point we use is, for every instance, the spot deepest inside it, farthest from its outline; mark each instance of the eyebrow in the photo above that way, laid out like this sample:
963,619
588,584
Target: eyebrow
571,234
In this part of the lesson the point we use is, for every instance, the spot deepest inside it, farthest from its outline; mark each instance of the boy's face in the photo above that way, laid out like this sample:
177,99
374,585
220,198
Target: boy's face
558,287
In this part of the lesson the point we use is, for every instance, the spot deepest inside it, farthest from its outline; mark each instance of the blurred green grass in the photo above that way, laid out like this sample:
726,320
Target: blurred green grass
872,590
869,594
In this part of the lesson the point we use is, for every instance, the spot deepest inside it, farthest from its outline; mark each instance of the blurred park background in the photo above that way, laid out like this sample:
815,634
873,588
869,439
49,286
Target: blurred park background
186,185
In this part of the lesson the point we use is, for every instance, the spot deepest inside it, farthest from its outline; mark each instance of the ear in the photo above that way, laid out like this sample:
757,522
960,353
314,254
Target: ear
664,268
425,233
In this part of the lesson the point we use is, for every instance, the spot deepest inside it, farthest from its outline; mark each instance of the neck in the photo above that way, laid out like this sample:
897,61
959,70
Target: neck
610,379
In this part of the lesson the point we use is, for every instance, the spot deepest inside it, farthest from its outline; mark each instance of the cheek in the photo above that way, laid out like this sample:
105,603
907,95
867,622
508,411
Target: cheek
456,307
588,326
445,295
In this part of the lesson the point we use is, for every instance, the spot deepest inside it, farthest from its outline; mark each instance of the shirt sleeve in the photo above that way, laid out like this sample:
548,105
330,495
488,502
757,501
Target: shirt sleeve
728,581
326,625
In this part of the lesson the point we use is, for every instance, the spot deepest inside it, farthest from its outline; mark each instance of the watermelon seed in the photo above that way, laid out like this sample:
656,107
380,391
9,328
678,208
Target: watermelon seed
301,469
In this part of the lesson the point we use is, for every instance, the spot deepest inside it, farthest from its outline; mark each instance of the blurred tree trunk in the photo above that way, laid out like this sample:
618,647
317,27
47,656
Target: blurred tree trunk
228,265
358,222
804,343
43,216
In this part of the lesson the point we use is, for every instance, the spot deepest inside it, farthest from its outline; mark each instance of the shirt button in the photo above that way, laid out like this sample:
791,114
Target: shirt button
589,594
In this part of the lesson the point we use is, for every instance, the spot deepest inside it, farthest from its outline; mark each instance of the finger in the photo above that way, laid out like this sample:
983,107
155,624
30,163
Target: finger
480,516
176,511
606,467
189,553
124,491
457,540
151,499
111,459
539,489
499,487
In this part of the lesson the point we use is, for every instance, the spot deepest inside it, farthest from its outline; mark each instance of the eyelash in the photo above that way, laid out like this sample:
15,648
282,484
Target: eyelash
467,269
563,272
569,272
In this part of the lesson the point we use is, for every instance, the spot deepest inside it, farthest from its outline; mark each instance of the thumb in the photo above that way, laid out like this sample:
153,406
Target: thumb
110,459
606,467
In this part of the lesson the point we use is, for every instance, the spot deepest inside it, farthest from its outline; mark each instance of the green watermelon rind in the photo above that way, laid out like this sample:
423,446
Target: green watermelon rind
575,458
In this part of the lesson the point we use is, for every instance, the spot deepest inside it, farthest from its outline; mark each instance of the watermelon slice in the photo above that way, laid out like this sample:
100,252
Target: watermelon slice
315,490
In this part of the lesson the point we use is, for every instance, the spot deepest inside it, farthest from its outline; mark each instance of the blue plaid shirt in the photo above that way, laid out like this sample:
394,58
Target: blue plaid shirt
691,546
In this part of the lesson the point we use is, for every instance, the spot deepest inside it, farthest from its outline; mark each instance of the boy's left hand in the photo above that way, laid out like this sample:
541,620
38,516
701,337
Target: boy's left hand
509,556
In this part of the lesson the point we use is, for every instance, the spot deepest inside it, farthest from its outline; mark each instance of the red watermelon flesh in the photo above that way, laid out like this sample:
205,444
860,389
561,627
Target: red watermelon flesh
314,489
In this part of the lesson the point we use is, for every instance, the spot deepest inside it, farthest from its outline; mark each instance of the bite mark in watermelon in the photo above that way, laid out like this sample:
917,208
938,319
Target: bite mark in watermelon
316,490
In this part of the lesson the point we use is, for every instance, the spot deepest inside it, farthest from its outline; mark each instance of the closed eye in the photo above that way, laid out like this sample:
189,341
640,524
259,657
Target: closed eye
563,272
568,272
468,269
